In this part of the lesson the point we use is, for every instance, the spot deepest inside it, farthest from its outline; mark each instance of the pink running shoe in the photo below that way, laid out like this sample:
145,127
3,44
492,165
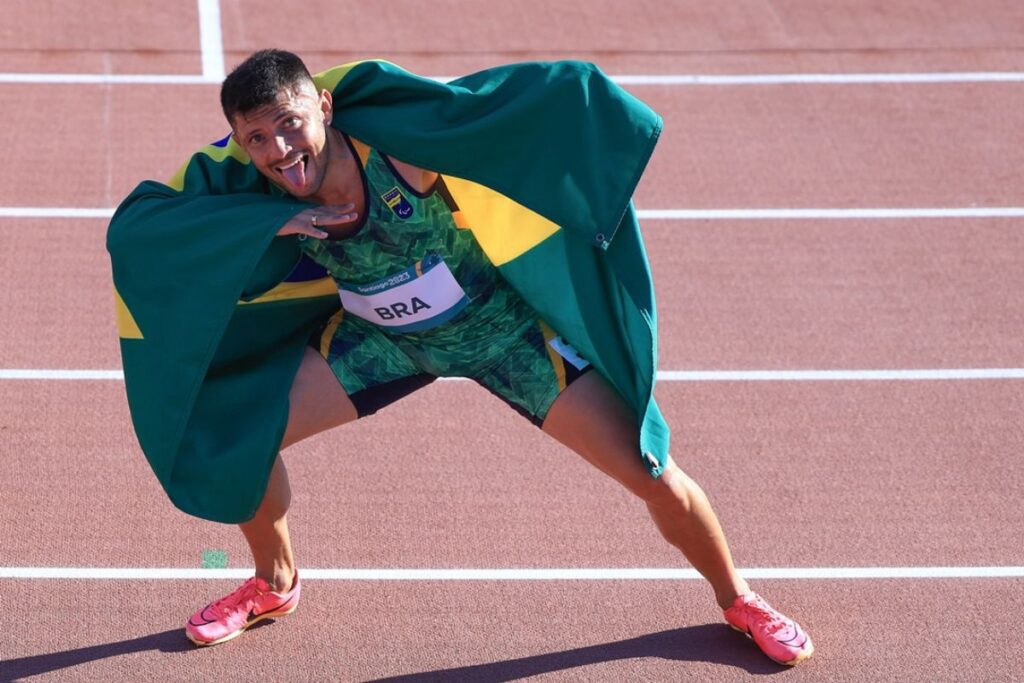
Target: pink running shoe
777,635
253,601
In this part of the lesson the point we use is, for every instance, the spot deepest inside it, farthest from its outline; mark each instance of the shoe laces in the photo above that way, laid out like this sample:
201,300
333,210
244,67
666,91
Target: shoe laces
768,619
240,596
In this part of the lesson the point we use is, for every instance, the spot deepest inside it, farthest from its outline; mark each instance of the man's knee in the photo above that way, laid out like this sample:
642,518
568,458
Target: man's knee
277,497
673,489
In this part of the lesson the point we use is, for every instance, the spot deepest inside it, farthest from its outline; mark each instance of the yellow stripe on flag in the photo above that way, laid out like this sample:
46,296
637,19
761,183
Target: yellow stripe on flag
127,328
504,228
329,80
232,149
296,290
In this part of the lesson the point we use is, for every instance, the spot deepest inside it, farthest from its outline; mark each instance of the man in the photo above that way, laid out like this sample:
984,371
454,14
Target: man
423,296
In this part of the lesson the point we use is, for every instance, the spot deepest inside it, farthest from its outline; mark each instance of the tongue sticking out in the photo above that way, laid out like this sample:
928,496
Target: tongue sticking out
296,173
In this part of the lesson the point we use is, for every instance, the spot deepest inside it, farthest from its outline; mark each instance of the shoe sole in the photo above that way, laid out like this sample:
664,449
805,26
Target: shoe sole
235,634
803,656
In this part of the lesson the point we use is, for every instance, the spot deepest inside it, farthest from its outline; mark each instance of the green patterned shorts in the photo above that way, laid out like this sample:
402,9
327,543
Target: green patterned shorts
518,358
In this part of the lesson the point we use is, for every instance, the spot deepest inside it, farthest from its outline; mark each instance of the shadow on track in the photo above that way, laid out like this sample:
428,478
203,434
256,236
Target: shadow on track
170,642
713,643
167,641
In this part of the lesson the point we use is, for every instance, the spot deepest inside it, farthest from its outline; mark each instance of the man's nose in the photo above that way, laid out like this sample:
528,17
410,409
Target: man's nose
281,145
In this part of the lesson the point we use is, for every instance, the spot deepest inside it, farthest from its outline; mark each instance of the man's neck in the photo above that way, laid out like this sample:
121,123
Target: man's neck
342,183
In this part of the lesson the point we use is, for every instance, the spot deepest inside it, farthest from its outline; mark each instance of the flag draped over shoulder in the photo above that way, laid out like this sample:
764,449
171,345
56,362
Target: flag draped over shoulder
541,159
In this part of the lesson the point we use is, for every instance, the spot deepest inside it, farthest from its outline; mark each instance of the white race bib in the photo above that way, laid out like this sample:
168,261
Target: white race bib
422,296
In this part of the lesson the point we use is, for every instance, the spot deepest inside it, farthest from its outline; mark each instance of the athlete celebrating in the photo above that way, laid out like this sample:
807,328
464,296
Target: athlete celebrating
423,297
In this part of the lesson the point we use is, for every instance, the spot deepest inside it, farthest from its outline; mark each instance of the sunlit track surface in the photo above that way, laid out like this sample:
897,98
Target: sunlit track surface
944,374
530,574
214,77
833,218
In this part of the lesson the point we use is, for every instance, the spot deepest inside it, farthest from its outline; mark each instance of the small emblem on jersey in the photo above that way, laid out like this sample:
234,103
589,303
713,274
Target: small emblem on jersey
397,202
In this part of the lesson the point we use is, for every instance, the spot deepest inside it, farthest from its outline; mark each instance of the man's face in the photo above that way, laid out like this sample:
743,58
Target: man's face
287,139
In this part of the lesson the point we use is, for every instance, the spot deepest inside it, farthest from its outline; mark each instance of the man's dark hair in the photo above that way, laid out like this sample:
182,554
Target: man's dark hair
258,80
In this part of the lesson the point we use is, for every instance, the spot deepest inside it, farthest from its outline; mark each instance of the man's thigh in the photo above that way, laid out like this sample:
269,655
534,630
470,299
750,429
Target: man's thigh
591,418
317,400
357,371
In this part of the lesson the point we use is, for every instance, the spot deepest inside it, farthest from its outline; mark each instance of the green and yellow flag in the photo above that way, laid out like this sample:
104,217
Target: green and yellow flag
214,310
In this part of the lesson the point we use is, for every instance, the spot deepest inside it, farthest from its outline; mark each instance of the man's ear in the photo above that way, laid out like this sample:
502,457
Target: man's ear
234,132
327,106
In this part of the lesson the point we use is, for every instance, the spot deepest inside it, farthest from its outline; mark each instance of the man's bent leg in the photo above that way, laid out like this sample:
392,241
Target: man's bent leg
590,418
317,403
267,532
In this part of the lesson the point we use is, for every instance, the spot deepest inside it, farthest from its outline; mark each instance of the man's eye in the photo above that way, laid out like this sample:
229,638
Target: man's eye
255,139
291,122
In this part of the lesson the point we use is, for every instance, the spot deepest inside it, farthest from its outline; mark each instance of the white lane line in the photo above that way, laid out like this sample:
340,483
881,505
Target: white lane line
824,78
106,79
655,214
946,374
40,374
210,41
211,48
541,574
829,213
213,73
53,212
837,375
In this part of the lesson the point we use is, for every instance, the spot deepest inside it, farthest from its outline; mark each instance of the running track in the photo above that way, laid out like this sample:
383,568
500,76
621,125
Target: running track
908,484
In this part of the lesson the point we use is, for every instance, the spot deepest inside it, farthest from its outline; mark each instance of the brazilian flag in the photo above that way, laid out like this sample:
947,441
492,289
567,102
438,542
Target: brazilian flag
214,310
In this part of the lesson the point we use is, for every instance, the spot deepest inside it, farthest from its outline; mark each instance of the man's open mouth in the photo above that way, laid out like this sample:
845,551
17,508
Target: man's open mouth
294,170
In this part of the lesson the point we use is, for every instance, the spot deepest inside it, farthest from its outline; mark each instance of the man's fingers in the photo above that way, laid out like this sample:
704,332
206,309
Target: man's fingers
292,228
335,214
336,218
312,222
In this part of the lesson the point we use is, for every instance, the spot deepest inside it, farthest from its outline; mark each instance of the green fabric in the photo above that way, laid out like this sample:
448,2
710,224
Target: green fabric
594,137
207,384
602,302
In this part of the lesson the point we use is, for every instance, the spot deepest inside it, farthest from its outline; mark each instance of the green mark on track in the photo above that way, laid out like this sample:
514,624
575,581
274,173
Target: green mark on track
215,559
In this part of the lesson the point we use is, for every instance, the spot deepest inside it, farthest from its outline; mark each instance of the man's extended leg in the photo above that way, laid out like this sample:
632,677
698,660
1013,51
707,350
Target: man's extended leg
590,417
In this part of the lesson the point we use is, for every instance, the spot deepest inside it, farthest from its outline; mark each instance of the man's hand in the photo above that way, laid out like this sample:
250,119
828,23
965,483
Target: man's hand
321,222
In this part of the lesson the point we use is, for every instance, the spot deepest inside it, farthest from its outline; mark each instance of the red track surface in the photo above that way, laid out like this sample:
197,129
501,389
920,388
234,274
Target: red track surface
820,474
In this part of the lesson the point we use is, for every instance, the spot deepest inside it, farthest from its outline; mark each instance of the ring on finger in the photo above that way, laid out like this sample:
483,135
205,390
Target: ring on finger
312,221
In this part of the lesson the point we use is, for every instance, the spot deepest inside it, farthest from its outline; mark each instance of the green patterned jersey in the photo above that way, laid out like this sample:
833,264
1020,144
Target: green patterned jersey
410,270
